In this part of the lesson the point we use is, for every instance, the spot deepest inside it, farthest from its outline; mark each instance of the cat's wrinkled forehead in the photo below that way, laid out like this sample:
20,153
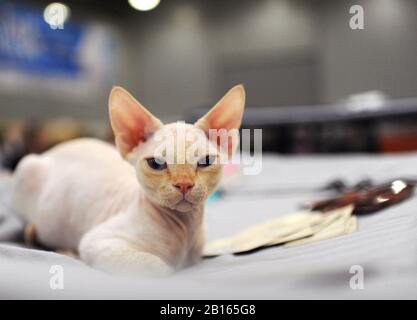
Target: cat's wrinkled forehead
180,127
180,136
179,131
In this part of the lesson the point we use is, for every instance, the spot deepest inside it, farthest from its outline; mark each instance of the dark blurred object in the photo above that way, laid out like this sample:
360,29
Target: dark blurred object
59,130
397,136
13,146
340,186
390,126
367,198
21,138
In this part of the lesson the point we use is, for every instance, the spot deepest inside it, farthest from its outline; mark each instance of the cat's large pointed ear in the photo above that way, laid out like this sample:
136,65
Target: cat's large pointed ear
226,114
132,124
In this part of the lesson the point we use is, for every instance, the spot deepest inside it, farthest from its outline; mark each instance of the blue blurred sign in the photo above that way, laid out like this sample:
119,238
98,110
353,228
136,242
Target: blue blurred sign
29,45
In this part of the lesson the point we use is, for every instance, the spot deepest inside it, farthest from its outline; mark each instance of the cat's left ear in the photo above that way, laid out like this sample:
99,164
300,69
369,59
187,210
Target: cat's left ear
132,124
226,114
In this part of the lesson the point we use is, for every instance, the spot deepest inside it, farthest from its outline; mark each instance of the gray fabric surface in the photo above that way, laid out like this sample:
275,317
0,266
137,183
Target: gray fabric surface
385,245
10,226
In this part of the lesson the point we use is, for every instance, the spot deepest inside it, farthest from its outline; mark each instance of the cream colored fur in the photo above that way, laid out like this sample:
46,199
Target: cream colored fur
111,207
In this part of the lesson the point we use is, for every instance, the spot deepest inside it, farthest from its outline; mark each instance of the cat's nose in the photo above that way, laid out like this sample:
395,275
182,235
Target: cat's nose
184,186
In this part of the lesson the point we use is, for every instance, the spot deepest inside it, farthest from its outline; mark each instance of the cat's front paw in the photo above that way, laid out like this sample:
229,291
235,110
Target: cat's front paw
117,256
134,264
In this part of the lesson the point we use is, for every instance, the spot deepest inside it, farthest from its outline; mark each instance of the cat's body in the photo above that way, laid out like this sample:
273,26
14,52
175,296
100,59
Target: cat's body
79,188
83,196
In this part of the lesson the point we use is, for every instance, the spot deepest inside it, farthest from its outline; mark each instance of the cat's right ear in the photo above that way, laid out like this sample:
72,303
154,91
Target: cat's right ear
132,124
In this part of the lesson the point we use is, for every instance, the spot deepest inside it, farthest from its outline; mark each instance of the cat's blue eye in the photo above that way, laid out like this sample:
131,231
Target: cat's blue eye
156,163
206,161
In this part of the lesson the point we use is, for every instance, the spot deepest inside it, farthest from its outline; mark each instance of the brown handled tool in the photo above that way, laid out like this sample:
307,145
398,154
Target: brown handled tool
370,198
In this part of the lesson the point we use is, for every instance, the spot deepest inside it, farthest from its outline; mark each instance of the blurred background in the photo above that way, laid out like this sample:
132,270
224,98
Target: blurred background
313,84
